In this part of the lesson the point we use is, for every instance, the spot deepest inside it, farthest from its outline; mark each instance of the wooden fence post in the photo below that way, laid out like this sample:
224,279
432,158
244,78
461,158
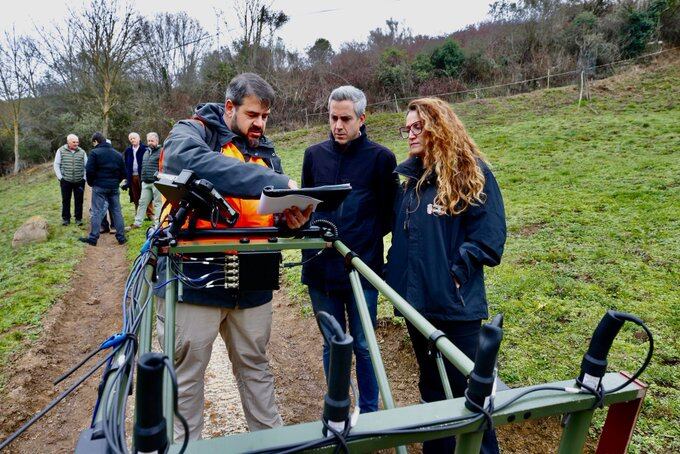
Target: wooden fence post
580,95
396,103
306,119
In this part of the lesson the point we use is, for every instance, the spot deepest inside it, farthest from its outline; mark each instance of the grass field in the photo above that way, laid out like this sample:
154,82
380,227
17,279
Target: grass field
592,196
34,276
593,203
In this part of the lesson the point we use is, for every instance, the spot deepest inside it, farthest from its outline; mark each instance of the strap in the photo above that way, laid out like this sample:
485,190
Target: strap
432,341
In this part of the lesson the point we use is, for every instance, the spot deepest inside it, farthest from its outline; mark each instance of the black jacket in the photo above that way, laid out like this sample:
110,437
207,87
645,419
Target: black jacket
129,157
196,145
428,250
105,167
366,214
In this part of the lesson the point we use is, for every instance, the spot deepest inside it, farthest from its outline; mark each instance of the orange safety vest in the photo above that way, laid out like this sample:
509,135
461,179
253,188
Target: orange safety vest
247,208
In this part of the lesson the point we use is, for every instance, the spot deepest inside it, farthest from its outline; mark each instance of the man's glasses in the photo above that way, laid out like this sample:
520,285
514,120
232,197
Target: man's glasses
416,128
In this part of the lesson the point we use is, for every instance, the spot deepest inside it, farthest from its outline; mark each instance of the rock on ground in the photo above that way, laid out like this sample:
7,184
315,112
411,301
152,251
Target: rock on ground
34,230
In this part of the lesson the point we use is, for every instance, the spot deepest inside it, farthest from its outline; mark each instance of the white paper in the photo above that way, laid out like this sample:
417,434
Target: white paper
271,205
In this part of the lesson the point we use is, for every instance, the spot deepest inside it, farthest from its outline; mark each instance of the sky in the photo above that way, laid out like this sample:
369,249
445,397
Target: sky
337,21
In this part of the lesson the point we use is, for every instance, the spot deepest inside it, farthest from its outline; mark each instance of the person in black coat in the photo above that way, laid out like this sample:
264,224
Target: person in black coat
104,171
365,216
449,224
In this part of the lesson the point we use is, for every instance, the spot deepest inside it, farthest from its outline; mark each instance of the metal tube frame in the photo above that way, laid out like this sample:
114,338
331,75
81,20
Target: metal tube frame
538,405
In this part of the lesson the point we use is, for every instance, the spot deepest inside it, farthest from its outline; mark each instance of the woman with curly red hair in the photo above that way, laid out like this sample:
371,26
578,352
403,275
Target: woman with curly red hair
449,224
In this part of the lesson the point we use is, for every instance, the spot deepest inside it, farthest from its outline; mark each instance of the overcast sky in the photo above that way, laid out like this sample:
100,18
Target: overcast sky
337,21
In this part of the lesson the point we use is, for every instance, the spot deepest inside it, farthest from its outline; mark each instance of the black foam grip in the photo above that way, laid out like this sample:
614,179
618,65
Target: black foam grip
595,360
480,383
150,426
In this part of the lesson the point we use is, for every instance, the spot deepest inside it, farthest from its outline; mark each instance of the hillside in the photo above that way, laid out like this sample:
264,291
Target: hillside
592,199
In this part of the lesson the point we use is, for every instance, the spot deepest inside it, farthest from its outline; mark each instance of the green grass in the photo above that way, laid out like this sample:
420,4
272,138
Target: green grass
32,277
593,206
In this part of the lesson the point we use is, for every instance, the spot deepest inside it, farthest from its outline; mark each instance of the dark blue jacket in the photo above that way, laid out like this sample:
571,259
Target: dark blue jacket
129,157
428,250
366,214
196,145
105,167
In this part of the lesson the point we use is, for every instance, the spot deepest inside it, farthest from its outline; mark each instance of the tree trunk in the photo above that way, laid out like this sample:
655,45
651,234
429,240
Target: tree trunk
106,108
15,121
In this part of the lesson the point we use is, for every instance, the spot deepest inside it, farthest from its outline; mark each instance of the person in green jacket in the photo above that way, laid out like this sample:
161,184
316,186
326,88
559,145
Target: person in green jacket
69,166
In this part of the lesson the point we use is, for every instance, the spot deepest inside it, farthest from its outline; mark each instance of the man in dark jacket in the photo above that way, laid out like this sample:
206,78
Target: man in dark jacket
104,171
362,220
225,144
134,155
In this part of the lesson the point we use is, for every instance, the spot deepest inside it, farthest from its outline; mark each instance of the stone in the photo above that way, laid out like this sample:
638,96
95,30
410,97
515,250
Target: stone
34,230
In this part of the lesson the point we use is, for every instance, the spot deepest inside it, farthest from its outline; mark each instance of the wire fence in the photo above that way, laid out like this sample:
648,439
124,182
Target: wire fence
560,79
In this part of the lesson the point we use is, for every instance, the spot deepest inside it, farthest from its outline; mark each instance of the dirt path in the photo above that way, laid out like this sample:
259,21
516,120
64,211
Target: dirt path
87,314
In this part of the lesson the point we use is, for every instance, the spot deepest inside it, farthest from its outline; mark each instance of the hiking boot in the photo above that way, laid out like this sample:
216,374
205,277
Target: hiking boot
65,222
79,222
88,241
135,226
123,241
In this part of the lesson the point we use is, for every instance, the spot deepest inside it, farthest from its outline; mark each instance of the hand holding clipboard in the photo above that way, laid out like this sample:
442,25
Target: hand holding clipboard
325,198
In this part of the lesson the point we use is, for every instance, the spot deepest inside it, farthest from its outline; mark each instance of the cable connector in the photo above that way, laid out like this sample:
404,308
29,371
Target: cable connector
114,341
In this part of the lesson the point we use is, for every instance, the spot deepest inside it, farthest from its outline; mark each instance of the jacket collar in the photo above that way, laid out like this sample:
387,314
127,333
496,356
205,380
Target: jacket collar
411,168
352,145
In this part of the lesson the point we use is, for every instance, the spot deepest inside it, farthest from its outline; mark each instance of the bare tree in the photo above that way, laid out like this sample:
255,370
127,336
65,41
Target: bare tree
259,23
172,46
18,67
105,37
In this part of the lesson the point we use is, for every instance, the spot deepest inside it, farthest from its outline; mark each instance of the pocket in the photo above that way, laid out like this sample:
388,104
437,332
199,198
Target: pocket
459,294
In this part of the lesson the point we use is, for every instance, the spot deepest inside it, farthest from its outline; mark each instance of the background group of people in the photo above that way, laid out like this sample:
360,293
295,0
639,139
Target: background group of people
107,171
446,217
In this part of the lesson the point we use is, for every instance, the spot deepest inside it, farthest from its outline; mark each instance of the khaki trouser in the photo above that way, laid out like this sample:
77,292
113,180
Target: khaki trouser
149,193
246,334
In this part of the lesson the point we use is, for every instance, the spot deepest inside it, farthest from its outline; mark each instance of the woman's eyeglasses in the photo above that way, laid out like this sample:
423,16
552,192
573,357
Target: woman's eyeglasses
415,128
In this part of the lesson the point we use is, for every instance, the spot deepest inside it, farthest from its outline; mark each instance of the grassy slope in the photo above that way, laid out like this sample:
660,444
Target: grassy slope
34,276
592,202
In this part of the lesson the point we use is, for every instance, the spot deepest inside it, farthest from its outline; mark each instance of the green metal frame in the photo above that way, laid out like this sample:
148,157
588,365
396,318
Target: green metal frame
538,405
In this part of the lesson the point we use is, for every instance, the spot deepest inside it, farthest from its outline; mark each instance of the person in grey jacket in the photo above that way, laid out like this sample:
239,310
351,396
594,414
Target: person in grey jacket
69,167
225,144
149,191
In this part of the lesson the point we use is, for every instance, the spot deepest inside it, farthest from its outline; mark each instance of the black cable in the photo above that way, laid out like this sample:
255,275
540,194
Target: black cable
54,402
650,351
486,412
173,378
340,436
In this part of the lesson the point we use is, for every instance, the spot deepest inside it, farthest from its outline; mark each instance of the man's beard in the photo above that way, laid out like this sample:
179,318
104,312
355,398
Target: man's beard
253,143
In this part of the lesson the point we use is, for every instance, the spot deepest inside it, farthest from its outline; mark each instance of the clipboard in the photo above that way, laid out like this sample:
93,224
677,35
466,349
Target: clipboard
322,198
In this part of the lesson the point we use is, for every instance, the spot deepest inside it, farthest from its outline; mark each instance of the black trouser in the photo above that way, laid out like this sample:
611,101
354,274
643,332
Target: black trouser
465,336
77,189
